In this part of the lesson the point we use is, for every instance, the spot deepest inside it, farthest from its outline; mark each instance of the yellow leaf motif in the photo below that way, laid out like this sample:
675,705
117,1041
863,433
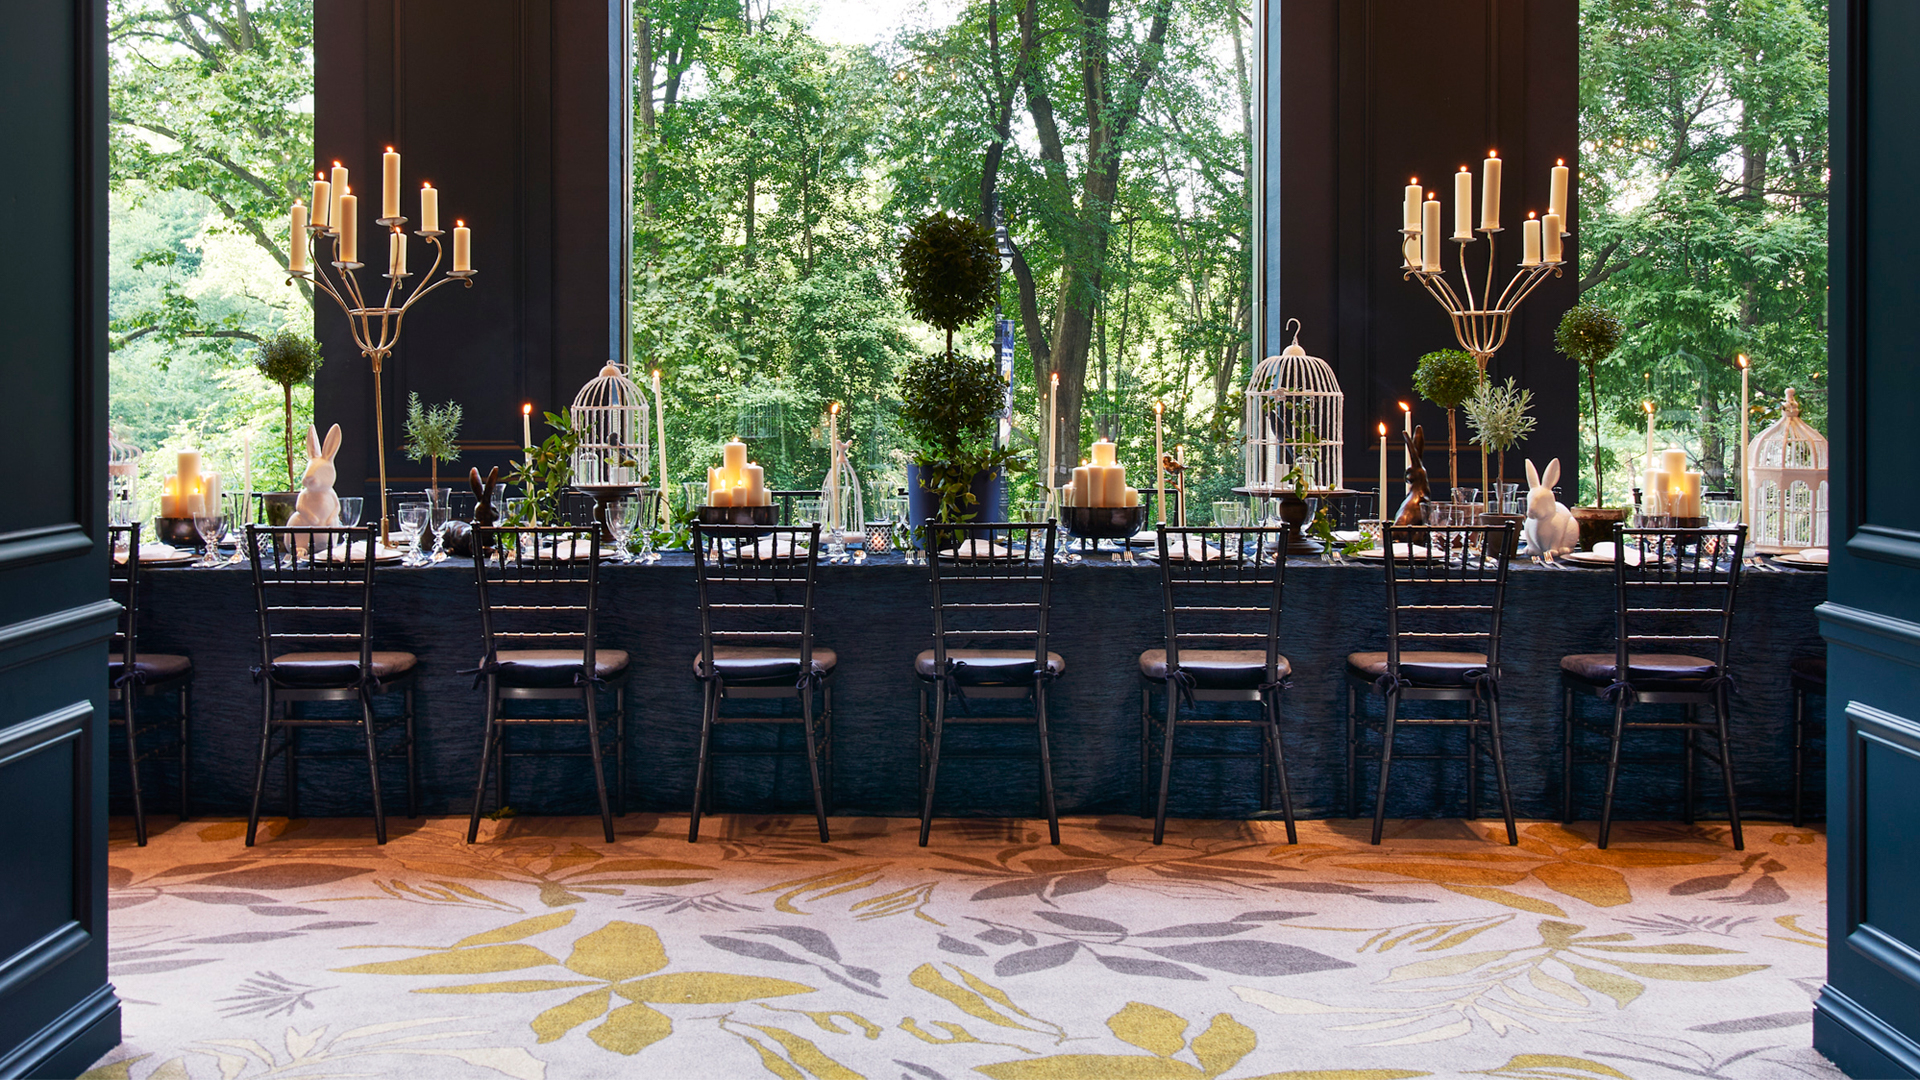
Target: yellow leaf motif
1092,1067
826,1020
1444,965
515,931
512,986
630,1029
956,1033
928,978
1618,987
707,988
618,950
1223,1044
1150,1028
1557,1061
1597,885
775,1064
1510,899
478,961
1343,1074
1689,972
806,1055
566,1016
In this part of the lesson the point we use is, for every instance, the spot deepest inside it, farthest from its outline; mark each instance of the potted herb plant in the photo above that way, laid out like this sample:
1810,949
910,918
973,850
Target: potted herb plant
287,359
948,402
1588,333
1447,378
1498,415
432,432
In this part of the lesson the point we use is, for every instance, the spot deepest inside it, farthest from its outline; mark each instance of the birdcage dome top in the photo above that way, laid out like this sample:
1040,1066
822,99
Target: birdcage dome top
1789,442
122,457
609,388
1293,371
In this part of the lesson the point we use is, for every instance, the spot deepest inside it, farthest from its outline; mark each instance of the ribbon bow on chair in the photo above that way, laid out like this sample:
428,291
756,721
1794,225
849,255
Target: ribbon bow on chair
487,667
950,683
1184,682
1391,683
1485,684
1719,682
811,679
1621,691
714,677
1284,682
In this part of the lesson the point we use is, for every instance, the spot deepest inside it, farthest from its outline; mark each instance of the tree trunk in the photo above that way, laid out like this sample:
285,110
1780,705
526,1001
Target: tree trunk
1453,458
291,481
1593,390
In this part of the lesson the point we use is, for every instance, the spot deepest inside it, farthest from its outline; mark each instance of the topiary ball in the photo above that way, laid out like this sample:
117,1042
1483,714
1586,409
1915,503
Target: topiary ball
1447,377
950,270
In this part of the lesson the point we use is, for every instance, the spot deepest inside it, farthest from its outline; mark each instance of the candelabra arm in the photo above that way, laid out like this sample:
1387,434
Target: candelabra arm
1486,299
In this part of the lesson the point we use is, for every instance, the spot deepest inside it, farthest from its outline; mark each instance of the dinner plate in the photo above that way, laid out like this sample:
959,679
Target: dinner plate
1178,552
971,550
1400,551
172,556
1597,560
1801,562
358,553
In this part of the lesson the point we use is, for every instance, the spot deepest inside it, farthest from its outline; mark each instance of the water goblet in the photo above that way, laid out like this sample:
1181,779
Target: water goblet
695,492
413,521
209,521
621,517
438,518
350,510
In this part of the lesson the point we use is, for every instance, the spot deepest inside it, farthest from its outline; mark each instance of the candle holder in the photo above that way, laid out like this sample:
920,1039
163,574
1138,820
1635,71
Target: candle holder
1480,330
375,329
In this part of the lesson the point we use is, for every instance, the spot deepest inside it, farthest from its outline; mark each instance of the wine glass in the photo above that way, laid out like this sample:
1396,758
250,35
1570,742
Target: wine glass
350,509
413,521
209,520
438,519
620,522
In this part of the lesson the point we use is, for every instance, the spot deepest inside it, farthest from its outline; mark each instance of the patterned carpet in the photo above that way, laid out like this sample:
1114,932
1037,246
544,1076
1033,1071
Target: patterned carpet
541,953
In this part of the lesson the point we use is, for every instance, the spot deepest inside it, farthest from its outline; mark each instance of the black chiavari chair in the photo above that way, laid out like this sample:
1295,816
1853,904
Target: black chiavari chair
992,585
1446,589
133,674
539,600
1221,591
313,588
756,590
1675,590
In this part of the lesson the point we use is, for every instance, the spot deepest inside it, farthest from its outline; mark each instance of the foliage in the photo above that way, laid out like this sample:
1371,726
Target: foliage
547,470
947,411
1703,195
1498,414
288,359
949,271
1447,377
432,432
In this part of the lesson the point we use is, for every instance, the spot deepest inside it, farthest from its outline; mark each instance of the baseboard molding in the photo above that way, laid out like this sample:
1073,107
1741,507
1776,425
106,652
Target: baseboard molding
1858,1042
71,1044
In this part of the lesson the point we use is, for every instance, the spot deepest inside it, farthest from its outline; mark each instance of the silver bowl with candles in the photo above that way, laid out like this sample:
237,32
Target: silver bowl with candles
1103,522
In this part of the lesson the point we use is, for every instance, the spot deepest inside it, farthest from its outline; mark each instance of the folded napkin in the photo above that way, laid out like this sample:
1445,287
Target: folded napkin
1603,552
1812,555
771,547
978,549
1178,551
355,553
151,549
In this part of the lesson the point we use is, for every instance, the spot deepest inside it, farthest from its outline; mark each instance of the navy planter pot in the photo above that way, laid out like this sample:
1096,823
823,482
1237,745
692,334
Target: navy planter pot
988,487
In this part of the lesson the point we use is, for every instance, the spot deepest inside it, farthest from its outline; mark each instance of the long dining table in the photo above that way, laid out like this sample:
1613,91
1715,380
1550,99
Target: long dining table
875,615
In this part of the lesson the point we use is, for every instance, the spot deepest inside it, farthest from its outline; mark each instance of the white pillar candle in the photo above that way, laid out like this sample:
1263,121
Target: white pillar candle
187,470
210,492
1430,236
1653,492
733,456
322,200
1112,481
297,239
336,189
1530,241
1103,452
1490,191
390,184
1083,486
1410,206
1383,469
1686,487
462,247
429,208
396,253
1160,456
349,220
170,497
754,479
1557,190
1133,497
1463,204
1550,238
1410,252
1673,462
717,492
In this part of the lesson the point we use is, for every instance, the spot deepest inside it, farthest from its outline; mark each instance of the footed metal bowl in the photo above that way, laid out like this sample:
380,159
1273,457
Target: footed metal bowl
1103,522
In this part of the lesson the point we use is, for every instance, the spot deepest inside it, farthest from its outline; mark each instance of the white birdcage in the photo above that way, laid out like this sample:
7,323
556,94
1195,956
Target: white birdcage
610,416
123,474
1787,484
1294,417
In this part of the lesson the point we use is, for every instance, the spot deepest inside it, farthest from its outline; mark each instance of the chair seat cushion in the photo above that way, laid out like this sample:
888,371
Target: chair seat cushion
335,670
1807,670
151,667
988,667
1645,670
545,668
1428,669
747,664
1215,669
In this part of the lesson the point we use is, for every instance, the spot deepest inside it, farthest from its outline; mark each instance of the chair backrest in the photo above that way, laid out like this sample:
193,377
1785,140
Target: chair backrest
756,587
1676,589
123,585
312,593
1221,589
539,588
1446,589
992,586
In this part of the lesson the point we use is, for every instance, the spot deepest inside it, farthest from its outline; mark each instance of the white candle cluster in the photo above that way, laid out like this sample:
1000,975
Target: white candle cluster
1670,488
1103,481
1541,235
334,210
735,482
188,490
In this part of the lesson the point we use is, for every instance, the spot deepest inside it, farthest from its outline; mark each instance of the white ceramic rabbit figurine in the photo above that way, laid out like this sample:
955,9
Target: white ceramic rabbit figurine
318,506
1551,530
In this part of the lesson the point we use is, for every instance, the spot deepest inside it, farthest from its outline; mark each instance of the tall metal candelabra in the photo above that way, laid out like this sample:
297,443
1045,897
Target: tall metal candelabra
1480,330
376,330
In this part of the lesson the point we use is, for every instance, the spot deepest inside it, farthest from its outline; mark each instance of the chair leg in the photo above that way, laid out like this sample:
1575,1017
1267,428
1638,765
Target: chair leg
813,759
709,704
1386,766
1566,757
1272,704
129,699
413,769
1046,762
1166,762
488,748
373,767
1726,767
1146,733
931,776
922,745
1613,769
1353,797
186,715
1799,753
260,767
1500,770
1686,762
589,698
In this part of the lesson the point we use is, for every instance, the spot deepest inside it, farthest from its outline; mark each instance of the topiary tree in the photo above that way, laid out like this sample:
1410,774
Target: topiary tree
432,431
289,359
950,270
1588,334
1448,378
1498,415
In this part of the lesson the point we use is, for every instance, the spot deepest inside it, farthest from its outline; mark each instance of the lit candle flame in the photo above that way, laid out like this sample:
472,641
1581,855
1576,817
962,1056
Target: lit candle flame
1383,429
1741,359
1405,408
526,409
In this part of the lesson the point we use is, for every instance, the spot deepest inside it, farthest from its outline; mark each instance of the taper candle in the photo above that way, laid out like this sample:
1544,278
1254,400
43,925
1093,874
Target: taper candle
526,430
1406,427
1490,191
833,467
1383,468
429,208
1430,235
462,247
1746,413
348,220
1463,204
660,431
1530,241
336,188
390,184
322,200
1557,190
1160,456
297,247
1053,437
1648,405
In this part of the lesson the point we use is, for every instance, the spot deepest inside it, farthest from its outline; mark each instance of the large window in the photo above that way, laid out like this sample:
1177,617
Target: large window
783,147
1704,219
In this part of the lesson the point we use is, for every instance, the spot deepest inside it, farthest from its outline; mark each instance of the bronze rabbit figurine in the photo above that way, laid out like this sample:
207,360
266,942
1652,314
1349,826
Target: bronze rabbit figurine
1414,510
460,534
